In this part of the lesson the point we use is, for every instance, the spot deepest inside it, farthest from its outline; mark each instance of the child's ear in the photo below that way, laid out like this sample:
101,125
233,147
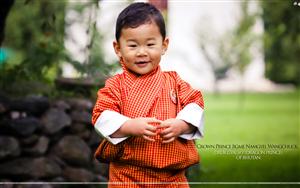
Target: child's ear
117,49
165,45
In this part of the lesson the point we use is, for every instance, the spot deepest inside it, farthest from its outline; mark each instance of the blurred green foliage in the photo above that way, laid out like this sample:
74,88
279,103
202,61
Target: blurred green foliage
34,36
282,40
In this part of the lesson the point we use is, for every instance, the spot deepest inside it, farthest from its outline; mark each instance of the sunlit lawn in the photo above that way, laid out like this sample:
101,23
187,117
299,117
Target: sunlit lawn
250,119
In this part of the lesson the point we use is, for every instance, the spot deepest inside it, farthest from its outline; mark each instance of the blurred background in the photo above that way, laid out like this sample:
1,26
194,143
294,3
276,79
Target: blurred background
243,56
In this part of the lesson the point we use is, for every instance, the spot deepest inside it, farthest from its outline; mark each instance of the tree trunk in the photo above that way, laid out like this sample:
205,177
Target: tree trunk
5,6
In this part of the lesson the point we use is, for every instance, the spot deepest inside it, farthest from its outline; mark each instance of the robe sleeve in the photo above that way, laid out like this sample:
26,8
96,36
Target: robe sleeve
187,94
191,101
107,107
194,115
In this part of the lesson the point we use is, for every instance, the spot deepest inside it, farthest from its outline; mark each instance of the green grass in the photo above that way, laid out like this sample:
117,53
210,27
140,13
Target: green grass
250,119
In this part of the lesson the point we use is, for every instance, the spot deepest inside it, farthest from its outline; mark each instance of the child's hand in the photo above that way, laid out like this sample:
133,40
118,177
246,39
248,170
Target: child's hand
173,128
140,127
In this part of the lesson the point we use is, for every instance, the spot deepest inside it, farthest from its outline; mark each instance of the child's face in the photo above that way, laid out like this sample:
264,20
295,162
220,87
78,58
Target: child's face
141,48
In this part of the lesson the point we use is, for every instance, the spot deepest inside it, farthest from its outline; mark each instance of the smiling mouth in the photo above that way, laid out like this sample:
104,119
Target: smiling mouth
142,64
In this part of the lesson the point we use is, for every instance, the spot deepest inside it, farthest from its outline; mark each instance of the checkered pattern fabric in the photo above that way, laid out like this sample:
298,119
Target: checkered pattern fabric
151,95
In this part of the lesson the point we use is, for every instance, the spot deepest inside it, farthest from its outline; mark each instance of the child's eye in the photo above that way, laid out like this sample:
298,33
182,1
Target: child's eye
150,44
132,45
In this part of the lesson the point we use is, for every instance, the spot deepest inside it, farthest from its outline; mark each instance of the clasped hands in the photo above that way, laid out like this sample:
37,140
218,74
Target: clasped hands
168,130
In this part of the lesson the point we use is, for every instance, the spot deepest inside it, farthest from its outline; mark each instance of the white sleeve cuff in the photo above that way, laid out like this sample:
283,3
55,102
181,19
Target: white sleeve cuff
193,114
108,123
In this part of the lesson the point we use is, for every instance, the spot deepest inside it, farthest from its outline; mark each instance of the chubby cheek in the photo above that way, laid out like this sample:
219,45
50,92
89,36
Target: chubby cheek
128,60
156,58
127,56
157,53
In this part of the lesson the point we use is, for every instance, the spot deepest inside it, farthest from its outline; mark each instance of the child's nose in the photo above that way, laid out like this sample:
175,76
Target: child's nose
141,51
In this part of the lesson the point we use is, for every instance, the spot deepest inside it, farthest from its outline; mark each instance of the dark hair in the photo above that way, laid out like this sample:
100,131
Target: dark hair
137,14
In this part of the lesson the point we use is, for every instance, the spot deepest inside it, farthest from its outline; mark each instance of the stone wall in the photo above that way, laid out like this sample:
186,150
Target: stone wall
52,141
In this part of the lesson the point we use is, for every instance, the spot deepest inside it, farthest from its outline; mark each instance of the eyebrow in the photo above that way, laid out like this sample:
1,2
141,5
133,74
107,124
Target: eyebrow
133,40
152,38
130,40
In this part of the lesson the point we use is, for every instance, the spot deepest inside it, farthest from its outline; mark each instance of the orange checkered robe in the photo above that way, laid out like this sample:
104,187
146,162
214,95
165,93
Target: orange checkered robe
157,94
